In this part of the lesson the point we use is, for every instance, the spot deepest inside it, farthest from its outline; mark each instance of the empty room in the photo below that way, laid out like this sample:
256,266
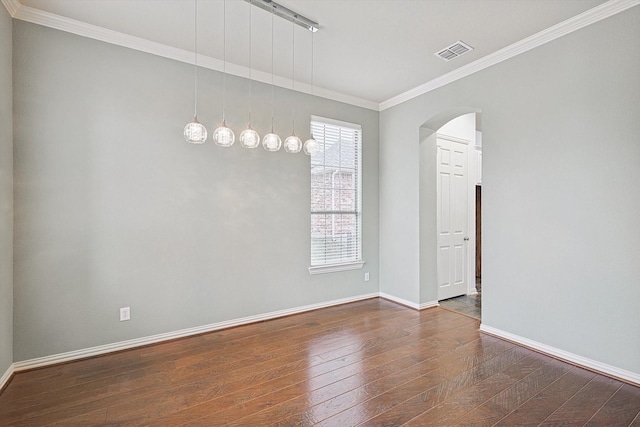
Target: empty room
319,212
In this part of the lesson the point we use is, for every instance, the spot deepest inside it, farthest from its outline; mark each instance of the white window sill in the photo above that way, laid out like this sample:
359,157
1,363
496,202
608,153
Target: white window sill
332,268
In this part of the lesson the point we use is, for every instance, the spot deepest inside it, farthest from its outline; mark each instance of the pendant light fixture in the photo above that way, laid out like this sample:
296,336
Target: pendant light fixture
195,132
293,144
311,146
250,138
271,141
224,136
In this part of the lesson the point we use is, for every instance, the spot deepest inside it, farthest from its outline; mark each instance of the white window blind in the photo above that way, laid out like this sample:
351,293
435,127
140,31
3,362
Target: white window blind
336,230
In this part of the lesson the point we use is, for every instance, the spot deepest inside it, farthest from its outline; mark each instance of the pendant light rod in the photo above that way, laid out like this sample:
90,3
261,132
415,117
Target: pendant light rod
250,138
271,141
250,65
224,136
293,144
293,77
286,13
311,146
272,103
312,86
195,132
195,61
224,60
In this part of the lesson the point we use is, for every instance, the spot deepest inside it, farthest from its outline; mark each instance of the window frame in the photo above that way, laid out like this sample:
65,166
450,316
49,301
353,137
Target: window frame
358,263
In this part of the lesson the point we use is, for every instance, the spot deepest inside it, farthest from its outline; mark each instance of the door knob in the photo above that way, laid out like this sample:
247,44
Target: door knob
466,239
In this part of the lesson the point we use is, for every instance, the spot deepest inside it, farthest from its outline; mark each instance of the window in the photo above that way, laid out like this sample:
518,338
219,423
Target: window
336,223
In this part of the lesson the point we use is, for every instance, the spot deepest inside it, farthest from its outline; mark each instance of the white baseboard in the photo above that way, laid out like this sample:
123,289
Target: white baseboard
575,359
409,304
153,339
7,376
400,301
124,345
428,304
592,365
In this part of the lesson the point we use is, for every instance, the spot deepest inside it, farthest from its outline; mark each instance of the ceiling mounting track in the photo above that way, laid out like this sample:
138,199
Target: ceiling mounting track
288,14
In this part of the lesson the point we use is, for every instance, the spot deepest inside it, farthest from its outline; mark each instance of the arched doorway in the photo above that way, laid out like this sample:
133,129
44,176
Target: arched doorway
450,147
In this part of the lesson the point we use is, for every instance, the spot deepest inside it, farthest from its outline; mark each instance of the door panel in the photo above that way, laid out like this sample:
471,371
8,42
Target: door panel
459,192
452,218
459,265
445,207
444,268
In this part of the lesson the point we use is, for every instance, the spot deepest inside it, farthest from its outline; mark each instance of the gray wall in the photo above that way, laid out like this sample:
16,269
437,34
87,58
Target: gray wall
561,173
6,194
428,216
114,209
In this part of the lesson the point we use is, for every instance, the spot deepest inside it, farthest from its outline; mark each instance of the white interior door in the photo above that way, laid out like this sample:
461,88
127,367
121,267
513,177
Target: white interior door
452,217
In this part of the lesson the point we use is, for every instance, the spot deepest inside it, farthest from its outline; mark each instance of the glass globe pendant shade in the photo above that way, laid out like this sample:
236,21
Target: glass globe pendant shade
249,138
271,142
310,146
292,144
223,136
195,132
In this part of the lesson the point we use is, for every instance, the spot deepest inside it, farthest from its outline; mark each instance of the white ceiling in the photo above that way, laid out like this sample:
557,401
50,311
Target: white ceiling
372,50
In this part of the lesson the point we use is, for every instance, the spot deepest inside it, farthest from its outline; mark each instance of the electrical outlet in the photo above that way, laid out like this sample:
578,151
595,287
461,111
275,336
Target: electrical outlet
125,313
366,277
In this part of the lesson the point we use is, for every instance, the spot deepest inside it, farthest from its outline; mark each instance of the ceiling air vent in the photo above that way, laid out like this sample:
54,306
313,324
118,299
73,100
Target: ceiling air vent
453,51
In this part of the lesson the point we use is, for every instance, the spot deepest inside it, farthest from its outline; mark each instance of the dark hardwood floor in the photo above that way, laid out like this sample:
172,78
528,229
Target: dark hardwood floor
370,363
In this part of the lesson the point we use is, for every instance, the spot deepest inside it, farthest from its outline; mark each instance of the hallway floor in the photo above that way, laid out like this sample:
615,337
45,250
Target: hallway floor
470,305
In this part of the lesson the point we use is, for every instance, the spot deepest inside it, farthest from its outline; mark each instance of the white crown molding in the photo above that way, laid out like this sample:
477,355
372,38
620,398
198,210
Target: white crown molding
36,16
12,6
51,20
584,19
592,365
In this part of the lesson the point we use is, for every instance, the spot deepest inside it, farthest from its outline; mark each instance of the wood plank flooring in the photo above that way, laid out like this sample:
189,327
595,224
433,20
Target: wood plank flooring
370,363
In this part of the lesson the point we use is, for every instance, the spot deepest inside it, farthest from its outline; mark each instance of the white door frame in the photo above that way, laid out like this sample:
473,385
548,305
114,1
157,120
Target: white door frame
471,206
473,175
475,178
